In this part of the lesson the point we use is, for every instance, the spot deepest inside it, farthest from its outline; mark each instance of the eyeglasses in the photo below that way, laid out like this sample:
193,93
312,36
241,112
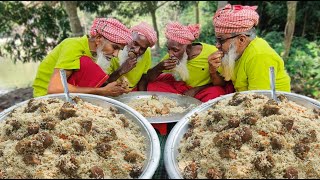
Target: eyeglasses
222,41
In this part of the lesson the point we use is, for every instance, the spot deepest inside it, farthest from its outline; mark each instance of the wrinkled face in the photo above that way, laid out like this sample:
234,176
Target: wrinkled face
139,44
175,49
223,41
108,48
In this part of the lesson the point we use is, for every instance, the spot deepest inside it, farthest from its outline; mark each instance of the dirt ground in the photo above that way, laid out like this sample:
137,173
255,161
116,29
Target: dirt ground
13,97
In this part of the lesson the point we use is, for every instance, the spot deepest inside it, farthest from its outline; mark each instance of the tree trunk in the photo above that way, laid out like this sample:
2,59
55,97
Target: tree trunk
152,9
71,9
289,29
304,24
197,12
221,4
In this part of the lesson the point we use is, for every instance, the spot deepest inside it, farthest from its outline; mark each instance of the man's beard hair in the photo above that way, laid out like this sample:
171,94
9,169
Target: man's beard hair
228,62
123,55
181,71
102,60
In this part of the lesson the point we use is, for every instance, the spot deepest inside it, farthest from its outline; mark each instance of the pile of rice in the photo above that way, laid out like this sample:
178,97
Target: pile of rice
251,136
50,138
156,106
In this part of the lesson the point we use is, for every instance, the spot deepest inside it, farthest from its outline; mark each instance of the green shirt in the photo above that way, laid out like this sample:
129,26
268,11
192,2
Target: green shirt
198,67
135,74
65,55
252,68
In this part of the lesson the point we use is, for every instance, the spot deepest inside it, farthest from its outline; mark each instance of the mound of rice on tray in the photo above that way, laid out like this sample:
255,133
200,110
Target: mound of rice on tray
50,138
156,106
251,136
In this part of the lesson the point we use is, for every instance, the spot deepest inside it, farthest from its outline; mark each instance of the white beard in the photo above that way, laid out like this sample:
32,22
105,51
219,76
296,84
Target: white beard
102,61
228,62
123,55
181,70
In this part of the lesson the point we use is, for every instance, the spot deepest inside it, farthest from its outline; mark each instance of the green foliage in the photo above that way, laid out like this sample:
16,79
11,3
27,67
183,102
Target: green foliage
32,30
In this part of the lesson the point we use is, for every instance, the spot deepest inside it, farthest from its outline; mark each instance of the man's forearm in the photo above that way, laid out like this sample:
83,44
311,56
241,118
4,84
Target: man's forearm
153,74
216,79
143,83
113,77
74,89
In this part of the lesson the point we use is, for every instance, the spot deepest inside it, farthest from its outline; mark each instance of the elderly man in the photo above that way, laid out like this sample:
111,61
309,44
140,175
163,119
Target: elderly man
185,69
75,55
134,60
243,57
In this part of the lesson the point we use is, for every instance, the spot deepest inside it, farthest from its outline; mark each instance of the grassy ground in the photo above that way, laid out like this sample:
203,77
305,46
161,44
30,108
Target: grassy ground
17,75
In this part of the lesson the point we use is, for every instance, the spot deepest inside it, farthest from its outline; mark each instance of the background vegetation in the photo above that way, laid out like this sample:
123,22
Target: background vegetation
29,30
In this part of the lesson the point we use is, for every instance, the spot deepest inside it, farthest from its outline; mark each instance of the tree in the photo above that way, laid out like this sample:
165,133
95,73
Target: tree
221,4
32,29
197,13
72,11
289,29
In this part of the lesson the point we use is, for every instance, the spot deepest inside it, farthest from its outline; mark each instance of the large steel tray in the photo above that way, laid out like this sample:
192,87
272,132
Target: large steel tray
176,134
187,102
153,145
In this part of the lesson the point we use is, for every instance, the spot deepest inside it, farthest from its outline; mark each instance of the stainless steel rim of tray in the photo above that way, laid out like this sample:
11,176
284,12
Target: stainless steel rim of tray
153,148
183,100
176,134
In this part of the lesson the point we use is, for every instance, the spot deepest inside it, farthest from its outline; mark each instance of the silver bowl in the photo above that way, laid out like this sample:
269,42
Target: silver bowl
153,144
187,102
176,134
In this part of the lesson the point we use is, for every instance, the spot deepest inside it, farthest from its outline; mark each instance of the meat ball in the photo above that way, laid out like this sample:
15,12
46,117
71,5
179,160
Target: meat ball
31,159
86,125
103,149
66,111
33,128
288,124
291,173
301,150
226,152
68,167
264,163
276,143
311,137
250,118
45,138
131,156
136,171
96,173
213,173
233,123
78,145
270,108
190,171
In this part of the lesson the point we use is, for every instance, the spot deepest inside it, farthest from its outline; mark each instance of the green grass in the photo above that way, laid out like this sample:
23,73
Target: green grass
17,75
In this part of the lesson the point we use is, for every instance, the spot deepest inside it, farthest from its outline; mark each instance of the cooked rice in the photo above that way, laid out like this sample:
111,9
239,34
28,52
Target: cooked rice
104,123
156,106
213,144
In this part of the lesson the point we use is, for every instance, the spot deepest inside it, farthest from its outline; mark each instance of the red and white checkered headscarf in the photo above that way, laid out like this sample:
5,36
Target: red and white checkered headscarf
147,31
111,29
234,19
182,34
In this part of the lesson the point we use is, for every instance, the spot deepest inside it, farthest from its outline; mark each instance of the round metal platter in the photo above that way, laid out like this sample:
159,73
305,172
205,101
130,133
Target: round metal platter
187,102
153,144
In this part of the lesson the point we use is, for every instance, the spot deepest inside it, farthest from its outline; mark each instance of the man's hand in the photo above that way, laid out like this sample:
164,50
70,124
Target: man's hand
113,89
128,65
214,60
168,64
191,92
